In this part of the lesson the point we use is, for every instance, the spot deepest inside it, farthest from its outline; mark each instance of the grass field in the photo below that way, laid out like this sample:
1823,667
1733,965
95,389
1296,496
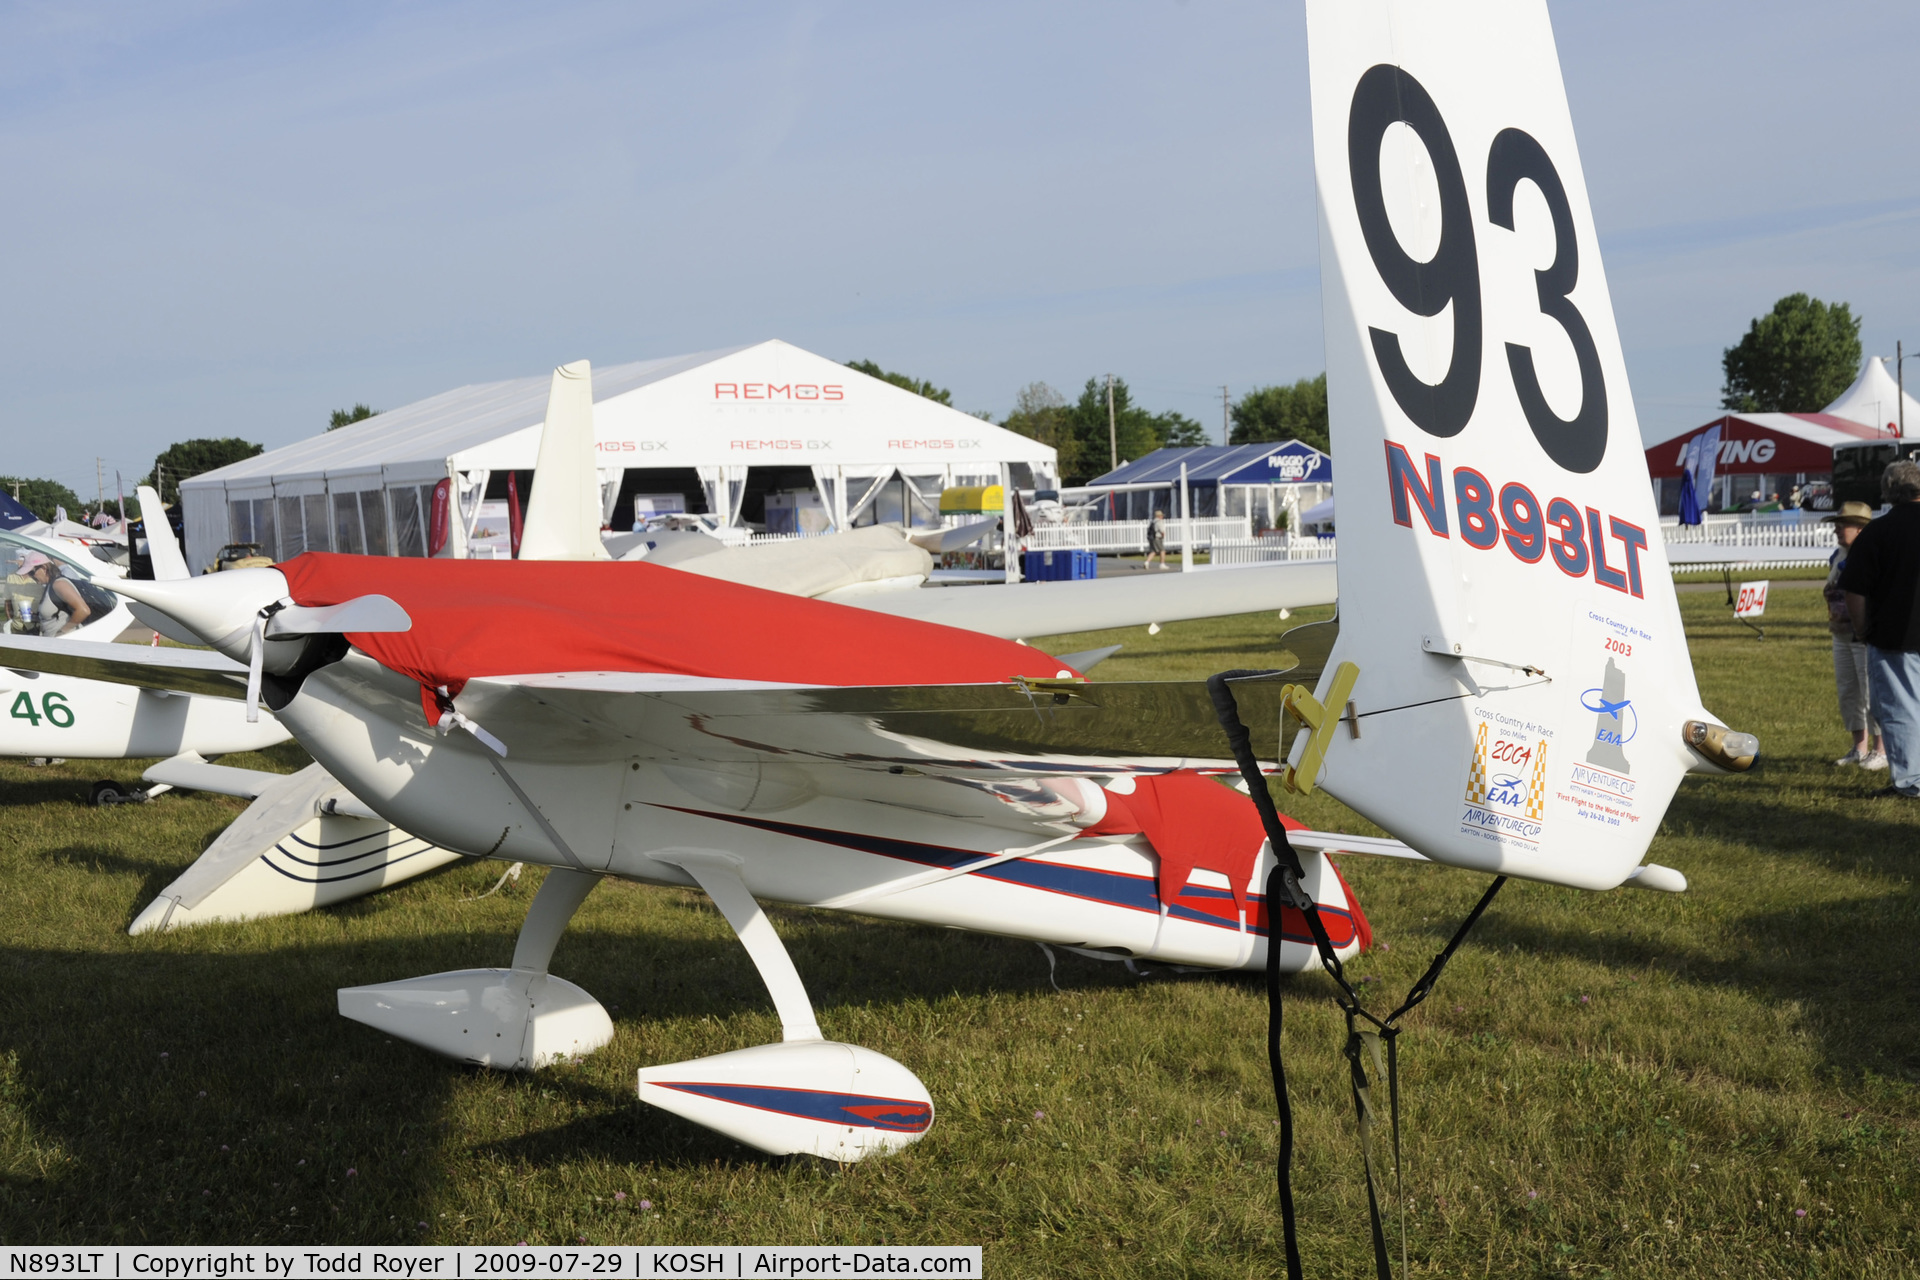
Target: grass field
1624,1084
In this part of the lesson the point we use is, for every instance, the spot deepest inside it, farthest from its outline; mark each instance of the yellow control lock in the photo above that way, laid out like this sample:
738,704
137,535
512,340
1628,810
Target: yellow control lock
1320,720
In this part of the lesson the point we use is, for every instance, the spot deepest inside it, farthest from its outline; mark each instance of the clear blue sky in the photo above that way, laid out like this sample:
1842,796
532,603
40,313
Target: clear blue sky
230,219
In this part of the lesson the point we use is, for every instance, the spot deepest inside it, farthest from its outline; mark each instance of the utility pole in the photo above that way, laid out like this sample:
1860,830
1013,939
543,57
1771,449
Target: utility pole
1113,432
1900,381
1226,418
99,484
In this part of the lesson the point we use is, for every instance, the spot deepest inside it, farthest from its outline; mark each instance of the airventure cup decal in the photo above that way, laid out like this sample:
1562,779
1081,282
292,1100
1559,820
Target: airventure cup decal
1600,786
1507,781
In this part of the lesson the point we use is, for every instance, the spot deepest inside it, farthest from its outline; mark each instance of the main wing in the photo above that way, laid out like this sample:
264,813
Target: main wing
1055,608
176,670
993,729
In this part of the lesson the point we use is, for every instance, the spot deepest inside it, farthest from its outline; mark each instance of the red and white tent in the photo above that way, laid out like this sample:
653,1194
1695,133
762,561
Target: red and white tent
1767,443
1875,400
1798,443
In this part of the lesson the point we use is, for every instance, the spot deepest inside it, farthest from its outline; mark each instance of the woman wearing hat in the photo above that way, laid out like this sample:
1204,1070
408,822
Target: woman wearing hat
1849,654
78,600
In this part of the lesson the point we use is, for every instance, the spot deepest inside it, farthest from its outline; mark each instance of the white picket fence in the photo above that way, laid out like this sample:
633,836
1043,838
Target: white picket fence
1764,540
1794,538
1767,529
1116,536
1278,549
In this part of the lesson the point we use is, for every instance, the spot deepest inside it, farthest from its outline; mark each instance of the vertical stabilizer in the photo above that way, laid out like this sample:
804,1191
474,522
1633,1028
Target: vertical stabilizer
563,515
162,547
1504,592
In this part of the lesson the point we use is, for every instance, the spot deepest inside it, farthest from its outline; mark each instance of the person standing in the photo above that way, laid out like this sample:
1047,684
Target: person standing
1157,539
1849,654
1881,582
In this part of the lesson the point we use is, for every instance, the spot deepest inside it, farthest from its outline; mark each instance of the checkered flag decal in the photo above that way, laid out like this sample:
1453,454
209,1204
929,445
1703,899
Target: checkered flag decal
1537,787
1477,776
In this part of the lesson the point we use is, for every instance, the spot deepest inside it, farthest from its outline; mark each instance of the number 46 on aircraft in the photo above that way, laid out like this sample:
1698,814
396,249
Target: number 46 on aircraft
53,709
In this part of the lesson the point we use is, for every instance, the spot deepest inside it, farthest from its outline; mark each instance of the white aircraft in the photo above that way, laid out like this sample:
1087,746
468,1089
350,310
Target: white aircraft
304,842
1509,692
706,731
54,715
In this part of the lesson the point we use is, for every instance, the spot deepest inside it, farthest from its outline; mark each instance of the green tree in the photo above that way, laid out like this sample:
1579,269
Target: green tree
1296,412
1040,413
903,381
1178,431
1796,359
1136,431
189,458
1130,429
1078,431
42,497
347,417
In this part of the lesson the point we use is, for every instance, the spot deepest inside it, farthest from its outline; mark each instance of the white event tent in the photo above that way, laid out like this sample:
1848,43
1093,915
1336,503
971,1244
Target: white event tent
765,434
1875,399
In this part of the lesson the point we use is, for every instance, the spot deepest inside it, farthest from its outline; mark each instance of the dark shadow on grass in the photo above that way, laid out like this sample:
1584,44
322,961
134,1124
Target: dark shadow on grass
1845,964
90,858
628,1132
1867,835
845,961
180,1091
154,874
16,793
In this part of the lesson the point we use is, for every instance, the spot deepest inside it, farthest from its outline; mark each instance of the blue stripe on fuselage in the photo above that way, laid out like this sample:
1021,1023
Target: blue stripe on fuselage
1109,888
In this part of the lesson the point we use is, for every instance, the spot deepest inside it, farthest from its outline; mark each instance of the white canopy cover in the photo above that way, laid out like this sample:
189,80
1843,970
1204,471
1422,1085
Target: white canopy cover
1874,399
718,412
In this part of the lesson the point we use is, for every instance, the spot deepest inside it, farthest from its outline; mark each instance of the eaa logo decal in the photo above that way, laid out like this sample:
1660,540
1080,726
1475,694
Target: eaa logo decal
1616,723
1600,785
1506,790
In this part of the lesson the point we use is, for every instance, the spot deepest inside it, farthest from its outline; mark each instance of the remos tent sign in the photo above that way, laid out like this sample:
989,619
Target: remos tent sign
723,432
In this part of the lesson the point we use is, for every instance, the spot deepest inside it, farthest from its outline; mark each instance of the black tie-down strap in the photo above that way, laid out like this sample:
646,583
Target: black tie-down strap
1366,1034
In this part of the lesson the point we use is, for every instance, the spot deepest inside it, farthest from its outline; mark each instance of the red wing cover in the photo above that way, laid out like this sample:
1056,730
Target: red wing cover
475,618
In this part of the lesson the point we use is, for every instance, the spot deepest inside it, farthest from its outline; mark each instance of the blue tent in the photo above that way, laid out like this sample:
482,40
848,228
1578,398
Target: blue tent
1256,480
12,514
